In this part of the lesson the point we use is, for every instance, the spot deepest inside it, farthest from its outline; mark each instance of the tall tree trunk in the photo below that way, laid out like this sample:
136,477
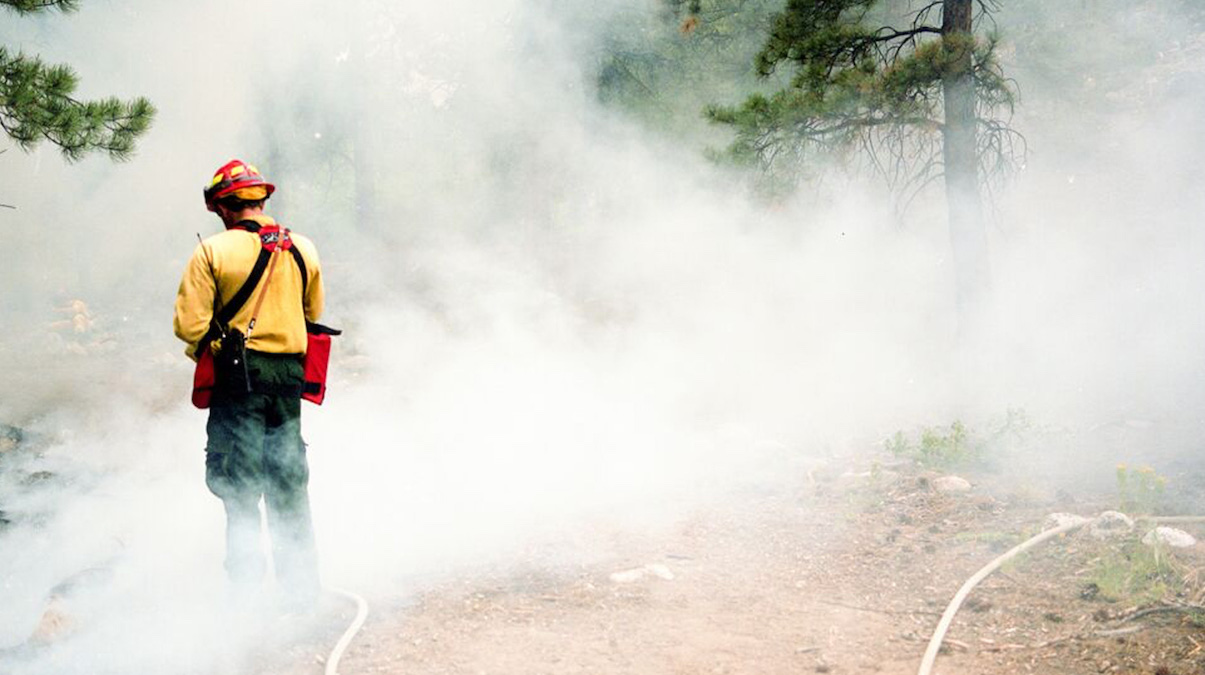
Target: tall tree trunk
968,238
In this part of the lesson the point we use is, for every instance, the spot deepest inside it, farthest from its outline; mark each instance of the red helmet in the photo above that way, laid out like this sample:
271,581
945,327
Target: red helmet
234,175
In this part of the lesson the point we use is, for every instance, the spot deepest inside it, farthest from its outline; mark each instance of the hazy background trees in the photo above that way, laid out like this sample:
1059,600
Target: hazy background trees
910,91
914,92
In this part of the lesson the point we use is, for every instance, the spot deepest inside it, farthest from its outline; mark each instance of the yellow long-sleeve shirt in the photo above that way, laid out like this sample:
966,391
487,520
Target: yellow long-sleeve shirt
221,263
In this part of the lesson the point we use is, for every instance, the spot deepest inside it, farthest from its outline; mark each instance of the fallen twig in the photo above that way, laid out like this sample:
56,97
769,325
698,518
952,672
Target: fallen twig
876,610
1163,609
806,650
1116,632
1007,646
1119,631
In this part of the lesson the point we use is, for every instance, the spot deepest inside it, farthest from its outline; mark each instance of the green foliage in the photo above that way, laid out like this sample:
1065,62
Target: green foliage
1139,491
663,67
32,6
857,83
36,104
692,7
1135,573
957,446
937,447
818,36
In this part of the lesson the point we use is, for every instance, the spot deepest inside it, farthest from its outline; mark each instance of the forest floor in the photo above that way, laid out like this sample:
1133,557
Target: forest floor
830,574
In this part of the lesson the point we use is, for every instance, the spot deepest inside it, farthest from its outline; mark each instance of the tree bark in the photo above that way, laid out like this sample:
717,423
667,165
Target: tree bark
968,237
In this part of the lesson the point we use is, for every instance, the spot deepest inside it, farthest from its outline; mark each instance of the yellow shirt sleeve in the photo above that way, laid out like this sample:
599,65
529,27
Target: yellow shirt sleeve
194,301
315,294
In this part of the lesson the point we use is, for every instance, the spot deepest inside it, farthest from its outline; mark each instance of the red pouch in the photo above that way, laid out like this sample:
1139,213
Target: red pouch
317,358
203,379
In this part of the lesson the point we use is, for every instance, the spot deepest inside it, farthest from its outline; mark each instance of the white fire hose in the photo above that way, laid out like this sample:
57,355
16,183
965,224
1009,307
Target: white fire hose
947,617
332,661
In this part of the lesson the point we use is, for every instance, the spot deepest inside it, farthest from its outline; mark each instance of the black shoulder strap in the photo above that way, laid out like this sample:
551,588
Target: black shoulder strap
305,279
244,292
230,309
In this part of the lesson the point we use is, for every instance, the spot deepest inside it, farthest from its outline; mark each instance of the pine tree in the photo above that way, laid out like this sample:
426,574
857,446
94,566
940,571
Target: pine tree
36,103
663,67
916,101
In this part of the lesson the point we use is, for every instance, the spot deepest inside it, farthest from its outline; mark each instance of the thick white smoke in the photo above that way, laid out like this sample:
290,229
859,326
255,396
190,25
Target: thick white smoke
553,317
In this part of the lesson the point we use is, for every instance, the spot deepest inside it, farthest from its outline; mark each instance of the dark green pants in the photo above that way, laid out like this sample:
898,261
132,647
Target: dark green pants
255,451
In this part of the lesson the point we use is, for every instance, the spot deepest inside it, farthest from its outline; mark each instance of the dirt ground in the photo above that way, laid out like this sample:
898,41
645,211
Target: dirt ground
833,575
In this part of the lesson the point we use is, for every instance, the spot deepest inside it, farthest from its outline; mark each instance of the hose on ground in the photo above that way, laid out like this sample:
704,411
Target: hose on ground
947,617
332,661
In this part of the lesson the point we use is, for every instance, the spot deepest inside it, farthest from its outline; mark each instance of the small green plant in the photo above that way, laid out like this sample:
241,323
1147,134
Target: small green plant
1197,619
1135,573
898,445
946,448
876,472
958,446
1139,491
938,447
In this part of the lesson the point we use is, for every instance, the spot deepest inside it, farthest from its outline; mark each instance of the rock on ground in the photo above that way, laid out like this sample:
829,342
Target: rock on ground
1110,524
1169,536
951,484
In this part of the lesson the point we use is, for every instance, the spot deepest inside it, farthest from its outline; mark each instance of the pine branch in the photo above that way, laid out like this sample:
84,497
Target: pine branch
36,105
33,6
887,33
921,17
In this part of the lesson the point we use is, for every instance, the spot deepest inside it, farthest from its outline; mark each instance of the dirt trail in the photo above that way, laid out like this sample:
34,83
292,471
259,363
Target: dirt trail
738,601
820,578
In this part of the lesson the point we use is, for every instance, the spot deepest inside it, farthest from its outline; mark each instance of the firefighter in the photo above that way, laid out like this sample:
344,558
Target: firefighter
254,448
